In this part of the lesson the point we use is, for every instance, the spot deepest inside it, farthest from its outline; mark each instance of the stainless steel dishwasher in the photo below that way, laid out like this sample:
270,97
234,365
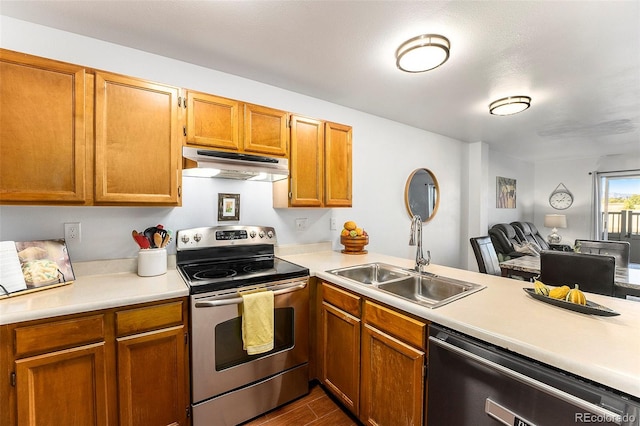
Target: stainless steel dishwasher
476,384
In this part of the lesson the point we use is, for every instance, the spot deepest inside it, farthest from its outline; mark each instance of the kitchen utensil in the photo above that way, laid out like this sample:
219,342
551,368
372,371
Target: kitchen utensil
142,241
157,239
165,240
148,233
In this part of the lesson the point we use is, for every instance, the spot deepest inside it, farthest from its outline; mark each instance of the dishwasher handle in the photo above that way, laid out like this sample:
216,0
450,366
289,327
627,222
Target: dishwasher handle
543,387
238,300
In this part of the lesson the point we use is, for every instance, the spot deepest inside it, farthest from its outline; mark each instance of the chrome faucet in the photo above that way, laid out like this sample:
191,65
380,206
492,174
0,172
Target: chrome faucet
416,233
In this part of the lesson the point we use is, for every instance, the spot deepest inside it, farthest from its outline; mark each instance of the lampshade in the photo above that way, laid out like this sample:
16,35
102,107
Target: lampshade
555,221
510,105
422,53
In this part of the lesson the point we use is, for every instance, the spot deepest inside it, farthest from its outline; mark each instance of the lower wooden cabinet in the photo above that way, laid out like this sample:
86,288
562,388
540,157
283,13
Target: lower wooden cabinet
341,361
122,366
67,387
372,358
393,372
146,363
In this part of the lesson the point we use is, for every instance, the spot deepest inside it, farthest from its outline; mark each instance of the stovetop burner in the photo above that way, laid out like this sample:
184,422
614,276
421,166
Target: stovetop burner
227,257
214,273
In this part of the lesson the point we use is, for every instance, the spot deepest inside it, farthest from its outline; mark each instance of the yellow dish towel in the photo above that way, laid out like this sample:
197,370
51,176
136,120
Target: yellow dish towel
257,321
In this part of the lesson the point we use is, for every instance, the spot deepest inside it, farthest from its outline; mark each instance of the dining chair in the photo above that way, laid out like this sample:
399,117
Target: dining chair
621,250
592,273
485,255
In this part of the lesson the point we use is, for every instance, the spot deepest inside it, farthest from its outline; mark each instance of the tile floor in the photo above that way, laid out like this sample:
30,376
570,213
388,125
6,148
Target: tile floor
315,409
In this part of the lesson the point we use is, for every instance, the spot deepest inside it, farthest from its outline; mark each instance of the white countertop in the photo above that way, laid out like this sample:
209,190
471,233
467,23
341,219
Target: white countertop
92,292
603,349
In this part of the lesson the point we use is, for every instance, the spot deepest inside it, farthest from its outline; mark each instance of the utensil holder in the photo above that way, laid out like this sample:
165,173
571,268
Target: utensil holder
152,262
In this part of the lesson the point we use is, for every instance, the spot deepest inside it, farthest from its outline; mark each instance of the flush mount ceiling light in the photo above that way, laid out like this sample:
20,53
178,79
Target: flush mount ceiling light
510,105
422,53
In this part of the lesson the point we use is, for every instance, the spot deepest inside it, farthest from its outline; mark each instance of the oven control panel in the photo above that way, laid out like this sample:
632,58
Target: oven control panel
219,236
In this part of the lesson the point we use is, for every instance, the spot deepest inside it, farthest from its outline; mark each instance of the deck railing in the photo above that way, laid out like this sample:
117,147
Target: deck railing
622,223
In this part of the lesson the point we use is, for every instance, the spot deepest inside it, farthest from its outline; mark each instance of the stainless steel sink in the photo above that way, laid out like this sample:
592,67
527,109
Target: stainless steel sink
430,290
371,273
422,288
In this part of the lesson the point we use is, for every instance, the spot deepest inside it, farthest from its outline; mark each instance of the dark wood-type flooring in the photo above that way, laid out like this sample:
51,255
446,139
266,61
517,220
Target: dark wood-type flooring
314,409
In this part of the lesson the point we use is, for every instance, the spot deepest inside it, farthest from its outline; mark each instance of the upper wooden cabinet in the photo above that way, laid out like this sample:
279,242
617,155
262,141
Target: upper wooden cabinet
319,164
337,165
265,130
42,130
137,150
221,123
212,121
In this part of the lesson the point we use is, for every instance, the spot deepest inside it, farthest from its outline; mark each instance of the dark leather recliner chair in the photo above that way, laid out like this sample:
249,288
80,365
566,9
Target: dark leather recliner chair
529,232
503,236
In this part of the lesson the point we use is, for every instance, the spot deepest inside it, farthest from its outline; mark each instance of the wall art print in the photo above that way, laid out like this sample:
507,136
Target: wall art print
505,193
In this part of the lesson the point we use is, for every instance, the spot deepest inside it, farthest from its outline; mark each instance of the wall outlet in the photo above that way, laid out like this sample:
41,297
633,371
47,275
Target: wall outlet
72,232
301,224
333,224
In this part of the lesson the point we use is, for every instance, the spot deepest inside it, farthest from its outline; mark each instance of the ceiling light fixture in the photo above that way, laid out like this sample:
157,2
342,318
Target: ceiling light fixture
510,105
422,53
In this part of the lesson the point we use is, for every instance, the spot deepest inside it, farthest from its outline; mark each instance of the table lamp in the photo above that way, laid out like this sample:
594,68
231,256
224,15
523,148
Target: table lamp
555,221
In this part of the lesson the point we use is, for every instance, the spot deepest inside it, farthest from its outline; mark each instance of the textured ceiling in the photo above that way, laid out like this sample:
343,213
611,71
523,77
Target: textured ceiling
578,60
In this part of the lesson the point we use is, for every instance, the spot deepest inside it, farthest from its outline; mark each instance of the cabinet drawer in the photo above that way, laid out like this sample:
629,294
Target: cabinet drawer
148,318
346,301
401,326
58,335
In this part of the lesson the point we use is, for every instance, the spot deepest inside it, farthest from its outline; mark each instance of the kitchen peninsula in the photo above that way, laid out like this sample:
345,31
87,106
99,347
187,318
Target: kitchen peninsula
600,349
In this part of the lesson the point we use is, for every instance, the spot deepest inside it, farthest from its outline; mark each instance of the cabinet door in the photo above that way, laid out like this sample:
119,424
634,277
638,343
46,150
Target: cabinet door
42,130
337,165
392,380
307,157
152,387
67,387
213,121
137,147
265,130
340,369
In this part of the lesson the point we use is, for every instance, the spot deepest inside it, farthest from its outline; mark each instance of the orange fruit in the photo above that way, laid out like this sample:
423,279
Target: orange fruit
345,232
350,225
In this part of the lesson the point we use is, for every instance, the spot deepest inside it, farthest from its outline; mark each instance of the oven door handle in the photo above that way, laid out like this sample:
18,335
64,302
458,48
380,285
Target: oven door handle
237,300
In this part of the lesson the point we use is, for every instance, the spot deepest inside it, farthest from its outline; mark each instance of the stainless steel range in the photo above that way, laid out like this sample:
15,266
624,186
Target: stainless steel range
229,386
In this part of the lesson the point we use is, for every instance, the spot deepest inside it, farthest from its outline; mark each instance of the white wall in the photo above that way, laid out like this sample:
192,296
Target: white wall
384,154
575,176
523,172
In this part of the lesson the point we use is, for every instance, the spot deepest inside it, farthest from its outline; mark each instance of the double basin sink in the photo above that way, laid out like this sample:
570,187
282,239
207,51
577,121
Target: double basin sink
424,289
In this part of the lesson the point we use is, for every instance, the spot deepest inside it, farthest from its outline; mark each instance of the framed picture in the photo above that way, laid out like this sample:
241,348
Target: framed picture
228,206
505,193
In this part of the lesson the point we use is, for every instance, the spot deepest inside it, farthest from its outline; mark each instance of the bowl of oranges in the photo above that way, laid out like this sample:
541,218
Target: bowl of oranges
353,238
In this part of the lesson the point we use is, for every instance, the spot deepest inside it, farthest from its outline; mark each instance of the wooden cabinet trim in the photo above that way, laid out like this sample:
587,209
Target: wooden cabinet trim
405,328
344,300
148,318
57,335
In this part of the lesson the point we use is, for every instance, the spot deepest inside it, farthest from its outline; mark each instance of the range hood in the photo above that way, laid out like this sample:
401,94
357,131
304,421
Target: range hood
232,165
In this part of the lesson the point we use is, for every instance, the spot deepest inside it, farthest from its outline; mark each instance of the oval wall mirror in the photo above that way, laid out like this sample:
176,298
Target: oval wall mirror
421,194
